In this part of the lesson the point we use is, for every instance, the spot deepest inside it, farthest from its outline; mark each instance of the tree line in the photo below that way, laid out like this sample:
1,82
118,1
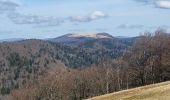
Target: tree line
146,62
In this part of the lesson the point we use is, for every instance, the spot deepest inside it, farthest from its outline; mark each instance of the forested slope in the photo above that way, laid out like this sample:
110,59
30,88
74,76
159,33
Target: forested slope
36,69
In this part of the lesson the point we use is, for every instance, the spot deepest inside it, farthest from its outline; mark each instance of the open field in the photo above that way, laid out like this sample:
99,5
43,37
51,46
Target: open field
160,91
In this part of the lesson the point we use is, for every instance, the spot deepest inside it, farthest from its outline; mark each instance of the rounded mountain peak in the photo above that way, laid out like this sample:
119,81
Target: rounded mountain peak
90,35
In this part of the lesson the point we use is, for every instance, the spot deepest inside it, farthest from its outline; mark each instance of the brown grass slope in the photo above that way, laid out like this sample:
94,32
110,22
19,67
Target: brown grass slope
160,91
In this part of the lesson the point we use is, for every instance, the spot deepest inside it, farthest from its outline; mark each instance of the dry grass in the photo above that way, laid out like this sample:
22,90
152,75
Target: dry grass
159,91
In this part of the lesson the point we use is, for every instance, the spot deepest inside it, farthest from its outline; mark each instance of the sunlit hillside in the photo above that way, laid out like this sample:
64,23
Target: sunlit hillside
159,91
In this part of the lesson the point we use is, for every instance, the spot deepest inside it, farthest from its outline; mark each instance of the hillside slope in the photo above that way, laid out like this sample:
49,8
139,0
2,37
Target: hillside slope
22,61
160,91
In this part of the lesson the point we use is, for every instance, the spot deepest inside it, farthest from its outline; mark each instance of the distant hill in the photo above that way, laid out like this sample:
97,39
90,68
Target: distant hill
94,41
77,38
158,91
122,37
11,40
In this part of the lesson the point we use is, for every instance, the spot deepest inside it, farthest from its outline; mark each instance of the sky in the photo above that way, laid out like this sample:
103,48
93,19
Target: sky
52,18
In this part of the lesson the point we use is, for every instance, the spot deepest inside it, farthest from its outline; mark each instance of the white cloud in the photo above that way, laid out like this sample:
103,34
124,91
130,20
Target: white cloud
89,17
163,4
11,10
158,3
97,14
38,21
18,18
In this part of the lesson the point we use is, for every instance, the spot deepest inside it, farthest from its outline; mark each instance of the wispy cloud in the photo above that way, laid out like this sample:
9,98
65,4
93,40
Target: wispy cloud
18,18
163,4
124,26
7,7
146,1
89,17
10,9
157,3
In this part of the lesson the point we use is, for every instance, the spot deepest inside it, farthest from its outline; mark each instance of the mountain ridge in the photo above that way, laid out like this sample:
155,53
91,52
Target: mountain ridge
90,35
76,39
11,40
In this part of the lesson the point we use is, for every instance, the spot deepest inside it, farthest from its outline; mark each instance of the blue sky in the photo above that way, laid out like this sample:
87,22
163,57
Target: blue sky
52,18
